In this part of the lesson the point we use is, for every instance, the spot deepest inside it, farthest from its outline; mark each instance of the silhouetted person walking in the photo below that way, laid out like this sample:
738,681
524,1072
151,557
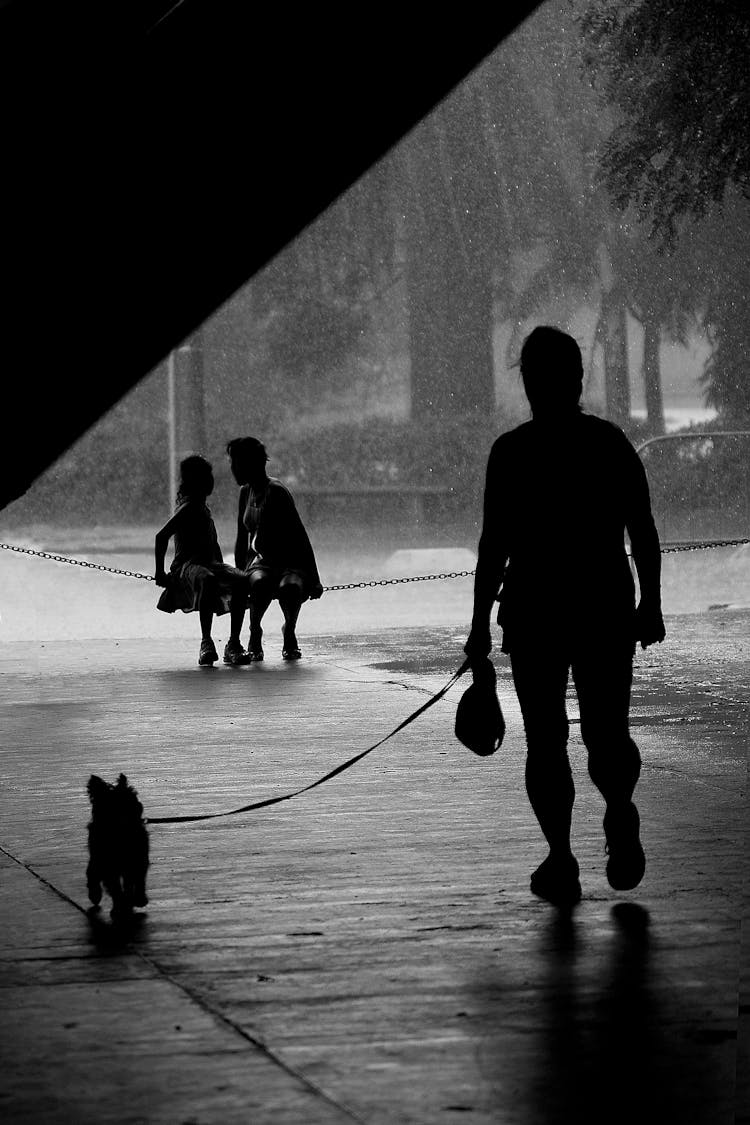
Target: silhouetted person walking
272,546
561,492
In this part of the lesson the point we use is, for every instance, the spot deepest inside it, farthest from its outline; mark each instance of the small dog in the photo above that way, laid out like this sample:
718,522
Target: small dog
118,845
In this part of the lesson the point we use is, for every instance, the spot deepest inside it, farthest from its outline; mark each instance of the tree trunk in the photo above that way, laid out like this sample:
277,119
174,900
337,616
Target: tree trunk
449,294
616,375
652,375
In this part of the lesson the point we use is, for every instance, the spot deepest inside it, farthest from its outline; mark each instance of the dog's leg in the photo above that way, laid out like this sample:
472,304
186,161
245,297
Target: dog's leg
139,870
137,891
120,903
93,883
135,888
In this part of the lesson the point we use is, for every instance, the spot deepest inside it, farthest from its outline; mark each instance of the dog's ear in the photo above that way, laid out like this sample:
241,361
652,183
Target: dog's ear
128,793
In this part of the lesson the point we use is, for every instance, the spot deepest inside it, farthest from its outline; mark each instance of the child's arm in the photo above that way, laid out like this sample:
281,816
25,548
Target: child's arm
161,542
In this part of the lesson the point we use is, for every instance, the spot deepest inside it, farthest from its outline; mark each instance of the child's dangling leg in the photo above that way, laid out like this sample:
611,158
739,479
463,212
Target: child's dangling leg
206,600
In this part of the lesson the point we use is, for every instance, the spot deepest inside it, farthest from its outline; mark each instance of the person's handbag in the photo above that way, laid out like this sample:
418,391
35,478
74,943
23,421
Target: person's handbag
480,725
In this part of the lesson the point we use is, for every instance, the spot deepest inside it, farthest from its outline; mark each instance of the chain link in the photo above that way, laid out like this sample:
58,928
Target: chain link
366,585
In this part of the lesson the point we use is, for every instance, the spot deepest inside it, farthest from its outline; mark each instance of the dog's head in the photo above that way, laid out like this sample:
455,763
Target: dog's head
120,799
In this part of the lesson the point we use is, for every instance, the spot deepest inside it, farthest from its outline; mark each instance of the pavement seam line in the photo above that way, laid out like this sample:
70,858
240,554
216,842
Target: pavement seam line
45,882
200,1001
237,1028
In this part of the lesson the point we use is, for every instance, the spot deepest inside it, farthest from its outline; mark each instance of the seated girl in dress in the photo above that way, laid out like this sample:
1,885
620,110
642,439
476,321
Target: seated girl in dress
198,578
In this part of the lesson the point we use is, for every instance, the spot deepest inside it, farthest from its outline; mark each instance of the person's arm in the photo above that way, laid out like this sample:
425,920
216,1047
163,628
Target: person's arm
241,541
161,542
492,557
644,543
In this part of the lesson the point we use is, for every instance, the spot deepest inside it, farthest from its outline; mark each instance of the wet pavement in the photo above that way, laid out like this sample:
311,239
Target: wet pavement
368,951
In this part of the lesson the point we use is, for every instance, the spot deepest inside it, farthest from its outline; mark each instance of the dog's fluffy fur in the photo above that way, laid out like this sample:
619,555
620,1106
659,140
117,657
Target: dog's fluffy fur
118,845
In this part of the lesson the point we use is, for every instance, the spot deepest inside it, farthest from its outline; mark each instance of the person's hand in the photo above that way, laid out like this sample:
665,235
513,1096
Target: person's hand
649,624
479,643
316,592
161,578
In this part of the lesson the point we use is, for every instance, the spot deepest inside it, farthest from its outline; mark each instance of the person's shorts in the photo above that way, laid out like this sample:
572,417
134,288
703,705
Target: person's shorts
275,575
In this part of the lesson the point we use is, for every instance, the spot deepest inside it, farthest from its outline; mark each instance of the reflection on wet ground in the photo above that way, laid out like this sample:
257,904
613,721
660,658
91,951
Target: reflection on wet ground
610,1036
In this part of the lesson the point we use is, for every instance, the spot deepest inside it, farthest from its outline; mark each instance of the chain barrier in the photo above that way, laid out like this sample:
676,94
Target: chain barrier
74,562
673,548
398,581
703,545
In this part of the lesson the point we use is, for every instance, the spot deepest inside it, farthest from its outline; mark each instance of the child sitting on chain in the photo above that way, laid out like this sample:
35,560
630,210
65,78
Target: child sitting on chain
198,578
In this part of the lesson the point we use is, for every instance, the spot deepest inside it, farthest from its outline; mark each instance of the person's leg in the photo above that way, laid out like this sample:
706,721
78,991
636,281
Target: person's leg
262,592
206,615
291,597
206,587
603,678
540,680
234,653
237,608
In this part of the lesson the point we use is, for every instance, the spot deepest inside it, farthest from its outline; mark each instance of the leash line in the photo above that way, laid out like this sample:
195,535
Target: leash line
331,773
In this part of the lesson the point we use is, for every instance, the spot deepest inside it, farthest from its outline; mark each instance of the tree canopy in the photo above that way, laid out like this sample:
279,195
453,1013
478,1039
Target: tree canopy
678,80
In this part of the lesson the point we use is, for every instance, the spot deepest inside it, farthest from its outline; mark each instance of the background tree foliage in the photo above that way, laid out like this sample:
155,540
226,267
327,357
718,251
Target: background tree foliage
676,77
678,74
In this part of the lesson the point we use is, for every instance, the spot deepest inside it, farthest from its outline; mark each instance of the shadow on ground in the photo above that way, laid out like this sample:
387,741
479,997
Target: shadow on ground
609,1032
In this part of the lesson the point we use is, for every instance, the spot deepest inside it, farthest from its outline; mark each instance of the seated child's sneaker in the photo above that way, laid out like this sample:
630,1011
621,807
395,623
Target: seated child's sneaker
208,654
235,654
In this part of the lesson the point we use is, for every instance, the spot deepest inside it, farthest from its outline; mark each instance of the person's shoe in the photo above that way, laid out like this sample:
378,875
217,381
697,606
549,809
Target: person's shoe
208,654
627,861
235,654
290,651
557,881
255,649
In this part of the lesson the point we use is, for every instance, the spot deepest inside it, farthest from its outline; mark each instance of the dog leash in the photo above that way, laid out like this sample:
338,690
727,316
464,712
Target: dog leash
327,777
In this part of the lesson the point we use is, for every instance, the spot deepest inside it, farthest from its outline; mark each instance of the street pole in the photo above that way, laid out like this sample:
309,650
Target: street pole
172,432
191,407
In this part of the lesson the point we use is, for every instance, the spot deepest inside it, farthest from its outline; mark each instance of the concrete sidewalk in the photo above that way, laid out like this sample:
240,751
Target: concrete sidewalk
369,951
